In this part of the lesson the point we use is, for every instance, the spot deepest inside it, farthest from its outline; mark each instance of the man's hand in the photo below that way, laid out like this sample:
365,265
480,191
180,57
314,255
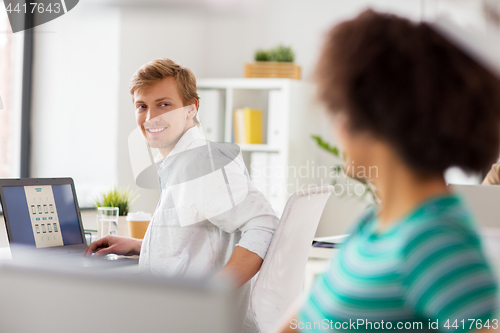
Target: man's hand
241,267
114,244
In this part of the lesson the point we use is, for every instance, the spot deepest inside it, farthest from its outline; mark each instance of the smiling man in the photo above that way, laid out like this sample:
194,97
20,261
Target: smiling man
164,120
211,220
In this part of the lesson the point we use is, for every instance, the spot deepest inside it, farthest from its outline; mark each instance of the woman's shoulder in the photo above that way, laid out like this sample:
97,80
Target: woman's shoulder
447,213
445,224
445,216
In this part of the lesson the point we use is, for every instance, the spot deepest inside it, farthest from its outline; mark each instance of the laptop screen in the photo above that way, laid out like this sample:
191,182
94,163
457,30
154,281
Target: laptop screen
42,215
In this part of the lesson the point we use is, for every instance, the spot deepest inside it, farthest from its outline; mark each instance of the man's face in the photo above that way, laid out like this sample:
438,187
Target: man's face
161,115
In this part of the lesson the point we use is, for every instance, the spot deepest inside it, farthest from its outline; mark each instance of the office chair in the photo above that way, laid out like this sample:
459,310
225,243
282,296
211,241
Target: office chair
281,277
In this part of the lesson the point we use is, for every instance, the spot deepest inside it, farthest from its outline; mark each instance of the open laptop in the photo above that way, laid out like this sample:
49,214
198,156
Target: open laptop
43,213
483,201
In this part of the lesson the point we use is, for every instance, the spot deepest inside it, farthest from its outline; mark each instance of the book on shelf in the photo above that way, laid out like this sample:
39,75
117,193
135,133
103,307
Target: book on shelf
247,126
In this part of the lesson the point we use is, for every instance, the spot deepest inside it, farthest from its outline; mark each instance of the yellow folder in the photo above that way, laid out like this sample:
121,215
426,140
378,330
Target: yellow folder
248,126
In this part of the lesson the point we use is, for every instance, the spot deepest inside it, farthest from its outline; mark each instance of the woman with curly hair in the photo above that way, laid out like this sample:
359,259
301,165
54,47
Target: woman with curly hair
410,103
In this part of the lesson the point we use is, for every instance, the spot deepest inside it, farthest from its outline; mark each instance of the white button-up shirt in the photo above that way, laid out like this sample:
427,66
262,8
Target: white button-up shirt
208,206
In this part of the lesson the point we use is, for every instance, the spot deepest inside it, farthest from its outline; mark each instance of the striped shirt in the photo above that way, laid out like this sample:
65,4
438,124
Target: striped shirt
426,272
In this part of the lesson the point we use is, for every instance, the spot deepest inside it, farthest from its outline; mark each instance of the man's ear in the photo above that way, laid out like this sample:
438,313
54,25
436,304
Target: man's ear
192,110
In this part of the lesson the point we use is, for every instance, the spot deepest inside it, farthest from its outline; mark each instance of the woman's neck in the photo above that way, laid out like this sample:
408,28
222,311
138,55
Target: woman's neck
402,190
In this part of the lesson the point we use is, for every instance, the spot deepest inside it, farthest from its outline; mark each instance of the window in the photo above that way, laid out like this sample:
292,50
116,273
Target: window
11,58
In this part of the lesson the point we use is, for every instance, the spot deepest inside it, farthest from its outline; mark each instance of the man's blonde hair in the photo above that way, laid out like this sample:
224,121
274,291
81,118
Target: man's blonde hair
158,69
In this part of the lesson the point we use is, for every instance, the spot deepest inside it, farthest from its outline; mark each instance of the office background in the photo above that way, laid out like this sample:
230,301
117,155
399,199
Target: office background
81,111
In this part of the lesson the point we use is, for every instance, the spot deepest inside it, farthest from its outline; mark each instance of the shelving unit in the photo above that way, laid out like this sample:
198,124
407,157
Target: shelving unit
266,148
289,118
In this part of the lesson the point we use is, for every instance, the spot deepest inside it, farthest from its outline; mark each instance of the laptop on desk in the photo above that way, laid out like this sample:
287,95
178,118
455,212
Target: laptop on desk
483,201
43,214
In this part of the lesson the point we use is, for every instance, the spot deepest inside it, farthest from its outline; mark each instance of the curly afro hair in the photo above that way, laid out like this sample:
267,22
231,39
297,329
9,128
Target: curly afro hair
405,84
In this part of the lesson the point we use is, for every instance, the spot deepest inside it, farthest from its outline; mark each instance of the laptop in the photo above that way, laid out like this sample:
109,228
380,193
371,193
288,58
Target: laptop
43,214
483,201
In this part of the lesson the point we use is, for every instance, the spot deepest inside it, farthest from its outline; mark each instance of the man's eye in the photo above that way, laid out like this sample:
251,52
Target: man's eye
165,104
141,107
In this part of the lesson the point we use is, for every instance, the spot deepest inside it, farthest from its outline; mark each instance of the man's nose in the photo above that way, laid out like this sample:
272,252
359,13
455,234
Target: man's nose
151,115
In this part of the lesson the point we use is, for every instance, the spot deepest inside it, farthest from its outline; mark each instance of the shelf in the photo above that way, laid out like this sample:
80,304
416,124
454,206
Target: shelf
255,147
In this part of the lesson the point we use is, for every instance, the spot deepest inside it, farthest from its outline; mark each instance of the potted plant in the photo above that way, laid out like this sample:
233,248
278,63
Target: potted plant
121,198
274,63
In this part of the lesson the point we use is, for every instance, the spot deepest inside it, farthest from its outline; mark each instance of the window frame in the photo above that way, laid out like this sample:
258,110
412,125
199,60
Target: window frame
27,89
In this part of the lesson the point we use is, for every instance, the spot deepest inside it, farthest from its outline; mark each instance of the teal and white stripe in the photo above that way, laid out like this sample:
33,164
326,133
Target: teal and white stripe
427,266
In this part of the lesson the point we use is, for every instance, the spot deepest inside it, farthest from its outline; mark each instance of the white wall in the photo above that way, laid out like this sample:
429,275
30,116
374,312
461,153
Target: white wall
301,24
75,98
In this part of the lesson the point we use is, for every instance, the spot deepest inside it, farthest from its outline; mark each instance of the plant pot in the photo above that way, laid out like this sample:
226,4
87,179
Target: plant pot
272,69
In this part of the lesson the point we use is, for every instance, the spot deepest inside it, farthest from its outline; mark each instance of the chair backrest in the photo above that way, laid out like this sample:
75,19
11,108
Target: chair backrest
280,280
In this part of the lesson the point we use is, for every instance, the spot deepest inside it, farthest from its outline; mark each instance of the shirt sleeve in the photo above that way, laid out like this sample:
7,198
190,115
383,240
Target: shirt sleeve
256,241
447,279
247,209
258,232
256,220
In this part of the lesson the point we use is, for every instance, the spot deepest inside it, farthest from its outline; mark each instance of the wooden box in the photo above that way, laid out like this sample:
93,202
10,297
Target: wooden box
272,69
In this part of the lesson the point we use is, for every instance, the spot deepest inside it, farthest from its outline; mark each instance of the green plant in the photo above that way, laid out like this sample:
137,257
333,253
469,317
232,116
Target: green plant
121,198
282,54
262,55
369,189
326,146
